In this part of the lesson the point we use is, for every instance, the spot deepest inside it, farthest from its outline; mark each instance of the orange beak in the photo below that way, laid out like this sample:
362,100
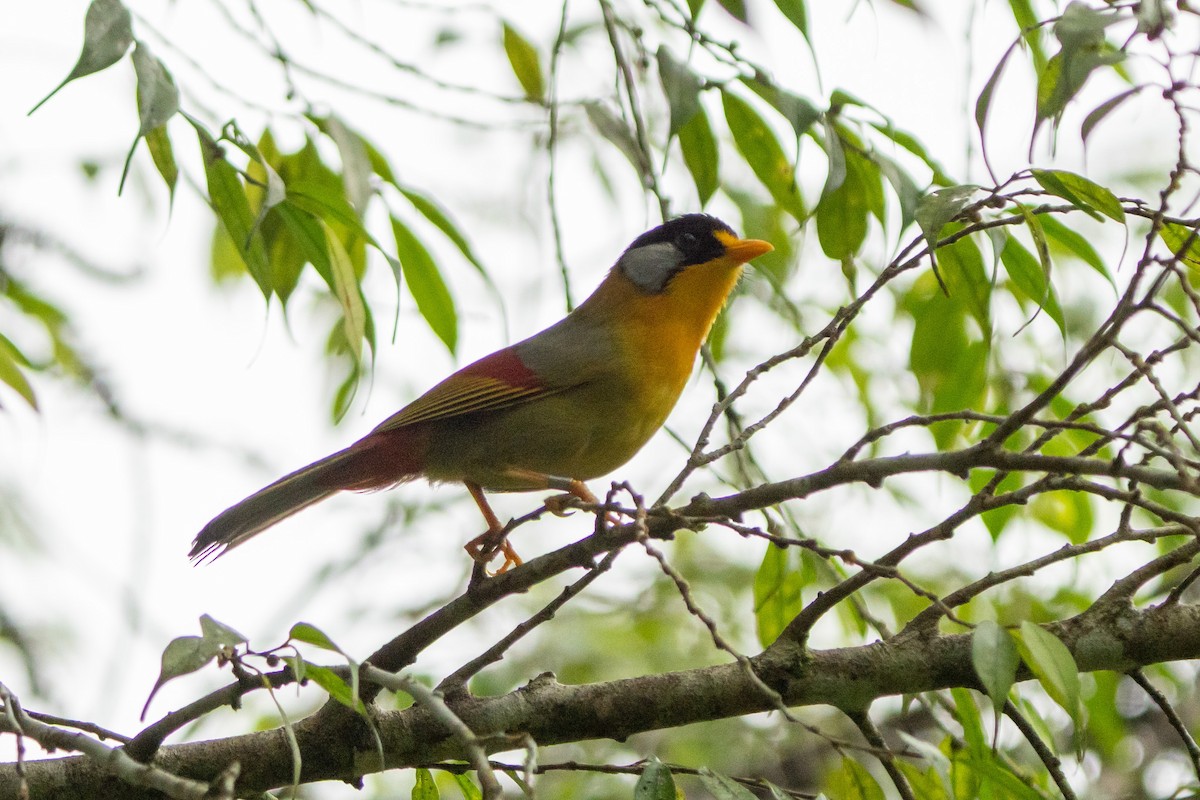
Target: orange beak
743,250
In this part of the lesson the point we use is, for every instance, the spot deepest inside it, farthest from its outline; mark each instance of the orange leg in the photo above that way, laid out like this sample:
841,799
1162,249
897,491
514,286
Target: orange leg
483,548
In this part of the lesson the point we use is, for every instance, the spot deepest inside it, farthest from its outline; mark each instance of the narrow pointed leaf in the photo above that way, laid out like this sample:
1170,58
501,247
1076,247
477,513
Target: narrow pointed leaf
681,87
700,155
1084,194
424,280
525,63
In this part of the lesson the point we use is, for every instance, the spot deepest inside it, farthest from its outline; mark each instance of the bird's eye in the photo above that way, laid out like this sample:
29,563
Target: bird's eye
686,241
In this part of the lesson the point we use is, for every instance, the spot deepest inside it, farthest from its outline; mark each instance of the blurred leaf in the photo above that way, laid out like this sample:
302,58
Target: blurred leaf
908,194
614,129
1097,114
842,212
799,112
965,277
107,35
157,95
1184,242
913,145
1068,512
11,363
681,87
778,588
229,202
356,165
1030,278
525,63
163,155
967,714
1085,195
736,9
983,103
311,634
334,684
347,291
699,148
1080,31
426,285
758,145
1031,32
424,788
854,782
797,14
429,209
220,633
157,100
995,659
1054,667
183,655
940,206
1075,243
469,790
722,787
655,782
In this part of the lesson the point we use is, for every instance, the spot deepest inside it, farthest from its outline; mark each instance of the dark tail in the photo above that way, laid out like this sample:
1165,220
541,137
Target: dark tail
264,508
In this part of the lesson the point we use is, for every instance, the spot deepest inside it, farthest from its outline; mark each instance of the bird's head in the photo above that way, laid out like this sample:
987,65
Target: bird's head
656,257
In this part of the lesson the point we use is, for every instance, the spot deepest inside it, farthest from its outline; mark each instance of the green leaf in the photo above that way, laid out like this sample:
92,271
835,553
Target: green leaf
681,87
356,164
967,714
983,103
1054,667
158,141
854,782
778,587
842,212
1085,195
967,279
655,782
1080,30
229,202
796,13
347,291
424,788
722,787
311,634
424,280
525,63
762,151
938,207
1068,512
182,655
157,95
1076,243
107,35
334,684
468,788
219,633
1027,20
700,155
736,9
441,220
800,113
995,659
11,362
1030,277
1097,114
614,129
1184,242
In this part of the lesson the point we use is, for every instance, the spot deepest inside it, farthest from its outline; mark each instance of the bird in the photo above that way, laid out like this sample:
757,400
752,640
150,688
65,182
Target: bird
569,404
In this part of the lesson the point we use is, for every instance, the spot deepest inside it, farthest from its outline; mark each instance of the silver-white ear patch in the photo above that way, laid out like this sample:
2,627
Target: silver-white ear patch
651,266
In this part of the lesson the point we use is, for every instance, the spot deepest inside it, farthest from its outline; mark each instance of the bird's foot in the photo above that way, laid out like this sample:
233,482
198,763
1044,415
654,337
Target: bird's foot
487,545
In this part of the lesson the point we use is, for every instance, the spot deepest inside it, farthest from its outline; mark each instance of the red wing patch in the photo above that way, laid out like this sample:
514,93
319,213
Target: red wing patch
494,381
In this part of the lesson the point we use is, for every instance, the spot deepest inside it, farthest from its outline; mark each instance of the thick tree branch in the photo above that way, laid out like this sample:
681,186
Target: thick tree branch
1110,636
